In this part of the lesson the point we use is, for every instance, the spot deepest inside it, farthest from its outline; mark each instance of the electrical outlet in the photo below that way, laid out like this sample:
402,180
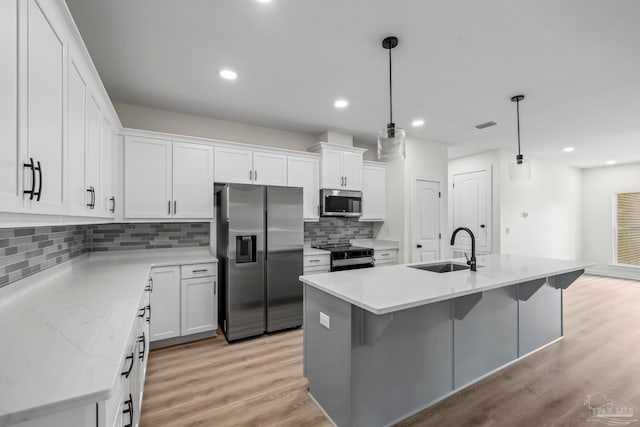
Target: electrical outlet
325,320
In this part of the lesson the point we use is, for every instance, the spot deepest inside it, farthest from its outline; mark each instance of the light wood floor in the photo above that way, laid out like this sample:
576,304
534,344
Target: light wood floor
260,382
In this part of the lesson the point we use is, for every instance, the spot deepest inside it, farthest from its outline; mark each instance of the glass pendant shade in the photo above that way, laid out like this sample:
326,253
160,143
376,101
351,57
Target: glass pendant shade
520,169
391,144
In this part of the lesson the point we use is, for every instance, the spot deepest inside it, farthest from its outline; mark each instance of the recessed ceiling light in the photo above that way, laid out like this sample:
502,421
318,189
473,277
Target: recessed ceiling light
417,123
341,103
568,149
610,162
228,74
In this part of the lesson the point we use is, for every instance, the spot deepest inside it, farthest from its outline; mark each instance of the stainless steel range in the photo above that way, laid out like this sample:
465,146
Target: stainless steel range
345,256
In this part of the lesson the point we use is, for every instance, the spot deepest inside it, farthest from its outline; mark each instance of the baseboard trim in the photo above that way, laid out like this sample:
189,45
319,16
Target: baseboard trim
182,340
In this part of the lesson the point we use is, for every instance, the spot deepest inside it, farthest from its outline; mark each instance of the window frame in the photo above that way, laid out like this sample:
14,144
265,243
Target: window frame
614,232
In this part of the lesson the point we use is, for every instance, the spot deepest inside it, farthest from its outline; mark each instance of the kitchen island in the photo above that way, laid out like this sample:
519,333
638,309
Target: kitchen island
382,344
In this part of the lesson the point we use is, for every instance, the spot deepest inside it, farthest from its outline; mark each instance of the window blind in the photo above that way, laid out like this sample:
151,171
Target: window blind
628,230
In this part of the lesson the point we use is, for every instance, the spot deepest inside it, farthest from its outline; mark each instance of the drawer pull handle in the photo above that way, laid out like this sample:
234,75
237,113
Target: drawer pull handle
314,260
384,254
202,270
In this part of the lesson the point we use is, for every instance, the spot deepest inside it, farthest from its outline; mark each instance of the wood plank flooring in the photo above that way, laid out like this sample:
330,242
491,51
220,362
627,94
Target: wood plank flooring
260,382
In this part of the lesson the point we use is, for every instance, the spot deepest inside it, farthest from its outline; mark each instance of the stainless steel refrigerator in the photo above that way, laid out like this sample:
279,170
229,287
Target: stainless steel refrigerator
260,242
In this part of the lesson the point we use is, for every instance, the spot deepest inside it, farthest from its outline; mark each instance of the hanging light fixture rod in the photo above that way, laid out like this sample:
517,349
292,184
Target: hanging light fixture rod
389,43
517,99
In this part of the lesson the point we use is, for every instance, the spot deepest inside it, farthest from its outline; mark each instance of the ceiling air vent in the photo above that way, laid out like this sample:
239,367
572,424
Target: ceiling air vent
485,125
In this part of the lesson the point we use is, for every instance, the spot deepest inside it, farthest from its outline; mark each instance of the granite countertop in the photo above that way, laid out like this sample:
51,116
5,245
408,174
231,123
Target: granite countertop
63,342
399,287
376,244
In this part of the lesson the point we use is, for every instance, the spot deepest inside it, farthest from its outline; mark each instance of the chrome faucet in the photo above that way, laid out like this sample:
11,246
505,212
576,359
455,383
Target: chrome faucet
470,262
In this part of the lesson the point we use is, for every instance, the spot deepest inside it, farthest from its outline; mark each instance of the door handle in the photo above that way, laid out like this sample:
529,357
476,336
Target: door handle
418,246
481,225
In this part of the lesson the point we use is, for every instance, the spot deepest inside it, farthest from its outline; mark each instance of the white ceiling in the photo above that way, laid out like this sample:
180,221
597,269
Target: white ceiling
457,65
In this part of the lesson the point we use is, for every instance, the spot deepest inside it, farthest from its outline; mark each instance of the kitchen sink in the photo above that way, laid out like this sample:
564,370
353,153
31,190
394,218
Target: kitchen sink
443,267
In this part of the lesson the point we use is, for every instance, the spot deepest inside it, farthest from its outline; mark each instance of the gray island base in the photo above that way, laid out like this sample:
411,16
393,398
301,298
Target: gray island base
382,344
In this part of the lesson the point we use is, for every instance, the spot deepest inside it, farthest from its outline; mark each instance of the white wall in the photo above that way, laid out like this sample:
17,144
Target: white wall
599,185
553,201
489,160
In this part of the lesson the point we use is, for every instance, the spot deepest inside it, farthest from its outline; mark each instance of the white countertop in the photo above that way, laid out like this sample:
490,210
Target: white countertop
309,251
398,287
62,343
375,244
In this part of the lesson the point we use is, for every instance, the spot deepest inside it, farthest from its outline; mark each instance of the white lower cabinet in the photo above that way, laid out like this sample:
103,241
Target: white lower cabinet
385,257
315,264
199,309
165,302
184,300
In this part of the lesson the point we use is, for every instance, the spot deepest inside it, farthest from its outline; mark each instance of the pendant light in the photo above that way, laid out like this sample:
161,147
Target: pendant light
391,141
521,168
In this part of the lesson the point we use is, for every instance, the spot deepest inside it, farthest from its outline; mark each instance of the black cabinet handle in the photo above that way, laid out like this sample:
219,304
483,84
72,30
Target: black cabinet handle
418,246
129,410
255,175
128,371
90,197
33,178
148,307
143,310
142,340
481,225
175,207
39,169
113,204
169,207
93,197
149,287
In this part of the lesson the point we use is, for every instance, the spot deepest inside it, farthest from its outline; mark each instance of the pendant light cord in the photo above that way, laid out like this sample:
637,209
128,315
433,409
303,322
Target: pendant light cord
390,92
518,115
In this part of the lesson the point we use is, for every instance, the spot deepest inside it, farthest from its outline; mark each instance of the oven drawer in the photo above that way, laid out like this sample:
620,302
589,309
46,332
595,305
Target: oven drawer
198,270
316,260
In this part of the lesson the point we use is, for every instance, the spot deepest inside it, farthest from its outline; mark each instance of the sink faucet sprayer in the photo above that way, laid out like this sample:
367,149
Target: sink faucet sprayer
470,262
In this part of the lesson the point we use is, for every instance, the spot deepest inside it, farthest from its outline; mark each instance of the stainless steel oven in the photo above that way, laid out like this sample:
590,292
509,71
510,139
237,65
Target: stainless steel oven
340,203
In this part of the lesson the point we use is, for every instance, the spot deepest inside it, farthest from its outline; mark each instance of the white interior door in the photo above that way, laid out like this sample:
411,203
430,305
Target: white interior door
471,204
425,224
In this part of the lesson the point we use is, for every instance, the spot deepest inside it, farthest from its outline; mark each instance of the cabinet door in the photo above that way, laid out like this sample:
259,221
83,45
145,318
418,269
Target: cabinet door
233,165
192,180
10,158
147,178
352,170
43,108
92,162
373,193
76,107
199,305
331,169
165,303
304,172
104,191
269,168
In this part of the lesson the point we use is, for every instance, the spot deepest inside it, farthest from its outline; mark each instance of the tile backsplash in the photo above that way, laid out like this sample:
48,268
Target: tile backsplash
335,230
110,237
25,251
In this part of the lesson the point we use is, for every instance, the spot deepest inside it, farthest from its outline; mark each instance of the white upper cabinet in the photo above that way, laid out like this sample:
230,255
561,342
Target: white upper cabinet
92,154
10,166
340,166
42,112
76,193
105,204
269,168
233,165
373,192
244,166
147,178
192,180
304,172
165,179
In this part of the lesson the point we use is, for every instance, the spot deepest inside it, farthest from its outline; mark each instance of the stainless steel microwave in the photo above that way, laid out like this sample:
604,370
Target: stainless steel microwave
340,203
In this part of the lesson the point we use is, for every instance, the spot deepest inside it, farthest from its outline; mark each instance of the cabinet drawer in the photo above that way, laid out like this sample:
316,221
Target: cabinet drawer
315,260
315,269
385,263
385,255
198,270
